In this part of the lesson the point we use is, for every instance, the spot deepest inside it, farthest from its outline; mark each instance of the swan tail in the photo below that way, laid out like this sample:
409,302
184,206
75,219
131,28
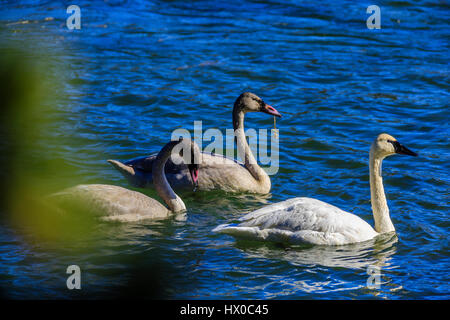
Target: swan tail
134,177
122,168
253,233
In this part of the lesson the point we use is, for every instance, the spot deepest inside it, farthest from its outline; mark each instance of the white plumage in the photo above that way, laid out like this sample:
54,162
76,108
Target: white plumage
301,220
307,220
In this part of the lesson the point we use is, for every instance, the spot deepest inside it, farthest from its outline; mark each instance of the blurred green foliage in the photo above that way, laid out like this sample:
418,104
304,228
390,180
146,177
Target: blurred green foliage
30,167
33,165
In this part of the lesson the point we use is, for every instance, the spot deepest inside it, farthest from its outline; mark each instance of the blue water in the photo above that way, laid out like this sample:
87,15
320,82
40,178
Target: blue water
136,70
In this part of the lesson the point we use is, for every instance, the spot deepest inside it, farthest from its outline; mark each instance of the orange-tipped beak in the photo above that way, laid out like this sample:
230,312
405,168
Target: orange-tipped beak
271,110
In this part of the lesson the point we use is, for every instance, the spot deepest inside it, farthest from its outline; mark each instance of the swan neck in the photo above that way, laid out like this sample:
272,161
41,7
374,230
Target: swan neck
243,148
380,208
162,186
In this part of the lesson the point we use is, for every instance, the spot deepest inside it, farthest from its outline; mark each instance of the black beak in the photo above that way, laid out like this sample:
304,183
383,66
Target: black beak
401,149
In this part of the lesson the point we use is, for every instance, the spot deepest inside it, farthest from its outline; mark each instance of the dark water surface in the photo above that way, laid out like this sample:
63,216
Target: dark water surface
137,70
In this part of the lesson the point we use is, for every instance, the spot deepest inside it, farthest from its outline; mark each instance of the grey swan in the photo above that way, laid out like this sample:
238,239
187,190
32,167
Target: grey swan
311,221
218,172
119,204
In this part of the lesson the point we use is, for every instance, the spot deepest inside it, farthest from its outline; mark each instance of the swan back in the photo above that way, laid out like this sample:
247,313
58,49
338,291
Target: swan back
109,202
301,220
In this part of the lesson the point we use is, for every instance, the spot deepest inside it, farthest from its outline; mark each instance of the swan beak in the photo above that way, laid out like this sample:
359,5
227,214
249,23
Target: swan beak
401,149
193,170
271,110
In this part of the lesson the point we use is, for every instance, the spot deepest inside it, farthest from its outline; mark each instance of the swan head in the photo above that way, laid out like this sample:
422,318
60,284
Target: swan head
250,102
385,145
190,152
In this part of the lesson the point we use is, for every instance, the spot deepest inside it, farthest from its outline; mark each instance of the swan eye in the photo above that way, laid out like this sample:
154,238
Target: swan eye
396,145
261,103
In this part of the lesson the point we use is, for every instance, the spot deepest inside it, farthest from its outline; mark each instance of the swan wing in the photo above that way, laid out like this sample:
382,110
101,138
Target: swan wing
145,164
301,220
216,172
142,163
110,202
209,161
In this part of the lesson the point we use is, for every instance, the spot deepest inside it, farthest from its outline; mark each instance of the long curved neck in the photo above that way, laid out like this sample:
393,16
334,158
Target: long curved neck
163,187
249,160
380,208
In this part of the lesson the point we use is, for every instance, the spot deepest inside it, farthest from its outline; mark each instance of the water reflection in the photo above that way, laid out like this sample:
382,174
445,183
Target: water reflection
376,252
127,86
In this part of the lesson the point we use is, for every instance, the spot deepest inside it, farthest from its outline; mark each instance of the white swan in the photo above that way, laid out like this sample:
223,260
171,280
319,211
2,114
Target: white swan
306,220
218,172
117,203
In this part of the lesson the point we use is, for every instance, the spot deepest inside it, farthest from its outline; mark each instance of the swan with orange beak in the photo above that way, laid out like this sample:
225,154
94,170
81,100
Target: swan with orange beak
218,171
